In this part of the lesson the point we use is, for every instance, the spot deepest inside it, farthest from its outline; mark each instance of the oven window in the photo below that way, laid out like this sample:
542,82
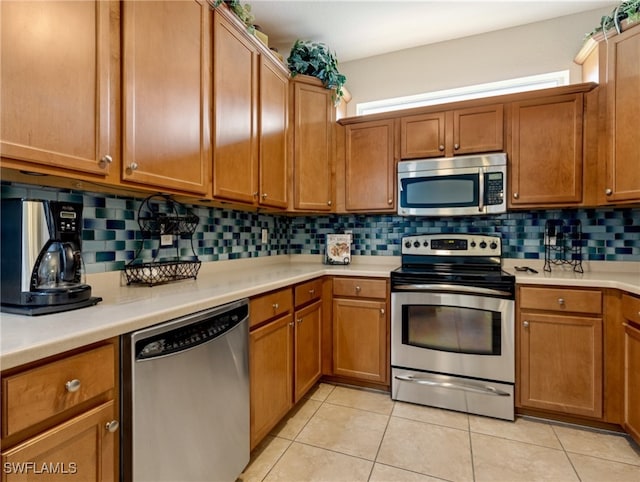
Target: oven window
458,190
452,328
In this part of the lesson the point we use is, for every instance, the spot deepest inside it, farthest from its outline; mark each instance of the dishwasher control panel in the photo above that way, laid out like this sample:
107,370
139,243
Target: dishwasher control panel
189,336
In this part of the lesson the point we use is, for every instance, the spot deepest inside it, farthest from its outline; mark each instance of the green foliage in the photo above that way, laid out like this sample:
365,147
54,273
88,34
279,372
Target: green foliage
315,58
243,12
628,9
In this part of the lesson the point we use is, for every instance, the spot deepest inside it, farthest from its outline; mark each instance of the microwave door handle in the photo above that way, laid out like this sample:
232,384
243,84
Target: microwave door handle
481,189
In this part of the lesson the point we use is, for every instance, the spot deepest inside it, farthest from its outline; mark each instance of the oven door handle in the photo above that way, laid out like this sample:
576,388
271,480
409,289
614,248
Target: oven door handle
467,386
452,288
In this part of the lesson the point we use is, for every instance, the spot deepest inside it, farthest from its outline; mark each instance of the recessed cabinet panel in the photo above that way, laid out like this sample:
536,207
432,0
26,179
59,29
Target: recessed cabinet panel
166,94
479,129
422,136
235,160
57,84
370,166
546,151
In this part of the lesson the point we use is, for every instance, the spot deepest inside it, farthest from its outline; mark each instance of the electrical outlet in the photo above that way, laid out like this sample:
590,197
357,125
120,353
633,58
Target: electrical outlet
166,240
265,235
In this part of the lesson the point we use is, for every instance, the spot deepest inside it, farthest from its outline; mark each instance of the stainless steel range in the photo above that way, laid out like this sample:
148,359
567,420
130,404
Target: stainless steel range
452,325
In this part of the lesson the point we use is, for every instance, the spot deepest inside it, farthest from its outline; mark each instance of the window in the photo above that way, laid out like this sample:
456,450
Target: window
532,82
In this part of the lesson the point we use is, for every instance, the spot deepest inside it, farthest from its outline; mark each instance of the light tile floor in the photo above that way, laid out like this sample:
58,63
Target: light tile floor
348,434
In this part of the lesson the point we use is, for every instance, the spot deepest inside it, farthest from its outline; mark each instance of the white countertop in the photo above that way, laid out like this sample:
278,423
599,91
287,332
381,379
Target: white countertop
24,339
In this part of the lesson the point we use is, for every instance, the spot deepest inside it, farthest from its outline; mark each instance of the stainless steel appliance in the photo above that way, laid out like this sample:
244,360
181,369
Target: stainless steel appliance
42,269
462,185
452,325
185,398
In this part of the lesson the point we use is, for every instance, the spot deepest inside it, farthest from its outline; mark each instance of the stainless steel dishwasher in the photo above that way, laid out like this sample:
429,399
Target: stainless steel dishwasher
185,398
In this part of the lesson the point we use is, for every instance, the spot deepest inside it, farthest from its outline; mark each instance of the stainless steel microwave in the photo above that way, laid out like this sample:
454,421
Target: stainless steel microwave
457,186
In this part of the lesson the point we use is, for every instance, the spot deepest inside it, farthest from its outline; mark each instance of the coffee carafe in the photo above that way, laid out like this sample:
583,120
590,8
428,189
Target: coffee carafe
42,267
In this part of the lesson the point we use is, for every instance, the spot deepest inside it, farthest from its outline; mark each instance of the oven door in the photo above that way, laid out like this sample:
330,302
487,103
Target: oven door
453,334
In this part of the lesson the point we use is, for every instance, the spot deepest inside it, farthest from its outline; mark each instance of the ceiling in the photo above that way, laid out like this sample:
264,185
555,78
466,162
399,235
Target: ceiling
364,28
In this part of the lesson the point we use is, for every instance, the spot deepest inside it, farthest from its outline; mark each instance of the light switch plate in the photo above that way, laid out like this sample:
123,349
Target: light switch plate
166,240
265,235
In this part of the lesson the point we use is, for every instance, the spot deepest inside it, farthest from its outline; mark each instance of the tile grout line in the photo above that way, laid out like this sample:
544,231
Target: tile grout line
384,432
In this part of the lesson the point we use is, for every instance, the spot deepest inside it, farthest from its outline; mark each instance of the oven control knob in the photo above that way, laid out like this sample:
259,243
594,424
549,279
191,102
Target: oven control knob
473,244
416,244
493,245
483,244
407,244
425,244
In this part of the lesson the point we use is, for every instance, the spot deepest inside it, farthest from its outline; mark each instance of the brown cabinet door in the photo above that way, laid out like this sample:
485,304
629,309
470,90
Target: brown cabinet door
271,375
166,94
561,363
274,135
546,151
623,112
313,163
360,339
632,381
478,129
235,81
81,448
57,84
307,343
370,166
422,136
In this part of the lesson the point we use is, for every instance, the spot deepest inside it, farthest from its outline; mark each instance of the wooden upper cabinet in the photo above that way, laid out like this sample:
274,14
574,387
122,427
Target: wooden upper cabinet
58,84
274,168
622,157
463,131
370,166
313,160
422,136
545,152
166,94
235,80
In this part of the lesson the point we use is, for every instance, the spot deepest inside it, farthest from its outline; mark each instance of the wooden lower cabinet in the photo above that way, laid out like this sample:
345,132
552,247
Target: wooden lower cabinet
81,449
271,365
560,353
631,315
308,354
60,418
360,329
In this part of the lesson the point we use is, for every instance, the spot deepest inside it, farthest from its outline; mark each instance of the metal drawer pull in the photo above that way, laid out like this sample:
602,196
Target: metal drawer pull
358,289
72,385
382,311
299,320
467,387
275,306
112,426
526,324
561,301
312,291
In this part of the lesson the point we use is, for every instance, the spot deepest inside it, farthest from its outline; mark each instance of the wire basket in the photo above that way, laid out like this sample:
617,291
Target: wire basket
161,272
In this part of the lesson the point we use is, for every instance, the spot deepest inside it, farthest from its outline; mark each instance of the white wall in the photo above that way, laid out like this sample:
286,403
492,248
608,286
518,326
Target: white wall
531,49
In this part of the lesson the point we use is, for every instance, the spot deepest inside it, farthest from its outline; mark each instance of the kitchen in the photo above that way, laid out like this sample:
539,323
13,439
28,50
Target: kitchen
109,242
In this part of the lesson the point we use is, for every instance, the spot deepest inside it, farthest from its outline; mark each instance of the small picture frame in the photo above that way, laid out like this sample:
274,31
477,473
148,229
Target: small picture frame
338,249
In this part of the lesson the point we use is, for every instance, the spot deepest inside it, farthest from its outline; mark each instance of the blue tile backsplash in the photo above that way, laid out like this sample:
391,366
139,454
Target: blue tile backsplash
111,233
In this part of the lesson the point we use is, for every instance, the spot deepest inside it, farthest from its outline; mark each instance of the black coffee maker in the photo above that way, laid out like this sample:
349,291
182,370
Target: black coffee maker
42,268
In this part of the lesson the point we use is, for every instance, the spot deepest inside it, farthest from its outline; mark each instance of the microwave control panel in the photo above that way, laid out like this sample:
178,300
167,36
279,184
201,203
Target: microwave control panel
494,188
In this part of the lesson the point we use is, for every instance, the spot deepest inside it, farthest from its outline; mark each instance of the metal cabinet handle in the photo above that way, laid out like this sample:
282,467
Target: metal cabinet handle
561,301
312,291
105,161
72,385
299,320
456,146
389,201
264,195
276,306
516,195
133,166
112,426
441,147
358,289
382,311
256,194
525,324
329,203
291,323
608,191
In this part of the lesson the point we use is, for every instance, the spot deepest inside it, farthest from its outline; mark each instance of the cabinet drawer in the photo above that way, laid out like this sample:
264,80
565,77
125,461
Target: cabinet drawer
631,308
37,394
560,299
309,291
271,305
360,288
